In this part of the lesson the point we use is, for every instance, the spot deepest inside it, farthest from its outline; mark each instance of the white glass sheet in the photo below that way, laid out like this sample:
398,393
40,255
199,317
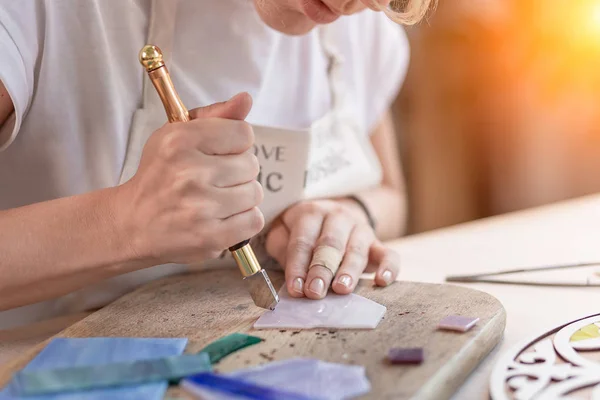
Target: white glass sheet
334,311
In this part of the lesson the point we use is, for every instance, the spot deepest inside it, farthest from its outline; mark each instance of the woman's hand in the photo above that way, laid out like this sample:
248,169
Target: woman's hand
195,192
332,232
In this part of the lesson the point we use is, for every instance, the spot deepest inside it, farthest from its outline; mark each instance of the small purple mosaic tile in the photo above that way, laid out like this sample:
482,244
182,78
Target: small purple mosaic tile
457,323
400,355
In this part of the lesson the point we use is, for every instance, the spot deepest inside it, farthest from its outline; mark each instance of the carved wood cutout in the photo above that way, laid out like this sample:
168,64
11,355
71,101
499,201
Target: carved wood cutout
562,362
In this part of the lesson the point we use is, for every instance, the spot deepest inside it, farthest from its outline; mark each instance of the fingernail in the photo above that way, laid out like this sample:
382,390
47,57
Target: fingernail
317,286
345,280
297,285
387,276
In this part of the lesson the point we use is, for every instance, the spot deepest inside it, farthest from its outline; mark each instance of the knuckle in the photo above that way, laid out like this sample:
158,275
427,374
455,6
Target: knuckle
331,240
208,129
257,193
207,210
192,181
253,165
191,215
195,213
313,208
302,244
357,250
364,233
245,135
184,182
340,209
172,144
257,221
340,213
204,175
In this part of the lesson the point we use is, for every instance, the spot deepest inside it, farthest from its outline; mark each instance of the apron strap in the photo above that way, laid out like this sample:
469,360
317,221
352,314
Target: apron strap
334,69
161,33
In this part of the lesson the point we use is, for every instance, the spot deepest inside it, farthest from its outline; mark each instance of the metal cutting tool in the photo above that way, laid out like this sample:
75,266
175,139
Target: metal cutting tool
259,285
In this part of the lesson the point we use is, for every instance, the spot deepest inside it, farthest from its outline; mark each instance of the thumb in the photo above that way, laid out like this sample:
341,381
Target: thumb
238,108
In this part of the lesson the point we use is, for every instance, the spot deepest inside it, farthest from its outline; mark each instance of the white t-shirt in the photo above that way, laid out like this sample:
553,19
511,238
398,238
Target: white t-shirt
71,68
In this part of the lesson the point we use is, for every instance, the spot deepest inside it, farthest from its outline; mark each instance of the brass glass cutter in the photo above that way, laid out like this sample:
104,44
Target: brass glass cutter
259,285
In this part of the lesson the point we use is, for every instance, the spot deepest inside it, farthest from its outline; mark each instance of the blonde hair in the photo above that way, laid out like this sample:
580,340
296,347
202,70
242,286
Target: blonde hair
406,12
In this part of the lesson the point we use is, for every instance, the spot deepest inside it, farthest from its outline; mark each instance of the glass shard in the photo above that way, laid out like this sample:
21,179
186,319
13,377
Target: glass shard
224,346
334,311
457,323
311,378
406,355
237,387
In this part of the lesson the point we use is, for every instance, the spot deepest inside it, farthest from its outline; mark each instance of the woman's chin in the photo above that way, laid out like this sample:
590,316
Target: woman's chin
298,27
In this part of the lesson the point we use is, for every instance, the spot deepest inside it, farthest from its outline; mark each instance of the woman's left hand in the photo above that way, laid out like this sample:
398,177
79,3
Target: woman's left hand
333,232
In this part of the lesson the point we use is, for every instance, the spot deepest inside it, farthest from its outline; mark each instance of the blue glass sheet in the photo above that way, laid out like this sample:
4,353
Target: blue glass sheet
64,352
238,388
310,378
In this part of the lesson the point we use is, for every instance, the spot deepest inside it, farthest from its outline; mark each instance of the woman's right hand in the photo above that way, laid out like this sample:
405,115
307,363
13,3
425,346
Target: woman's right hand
195,193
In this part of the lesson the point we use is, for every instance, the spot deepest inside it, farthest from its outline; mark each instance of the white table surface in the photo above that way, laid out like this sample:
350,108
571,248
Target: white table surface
565,232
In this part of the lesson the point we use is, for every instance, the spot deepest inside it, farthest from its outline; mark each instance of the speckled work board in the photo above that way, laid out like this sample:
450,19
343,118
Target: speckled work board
207,305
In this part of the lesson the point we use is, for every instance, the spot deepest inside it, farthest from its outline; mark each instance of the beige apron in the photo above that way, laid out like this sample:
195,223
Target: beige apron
331,158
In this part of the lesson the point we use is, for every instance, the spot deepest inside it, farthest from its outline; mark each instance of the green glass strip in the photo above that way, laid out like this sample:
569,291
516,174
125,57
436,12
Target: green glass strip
221,348
62,380
170,369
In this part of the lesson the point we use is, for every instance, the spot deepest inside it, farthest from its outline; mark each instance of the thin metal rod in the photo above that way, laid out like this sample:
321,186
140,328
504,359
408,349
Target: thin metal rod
483,277
521,283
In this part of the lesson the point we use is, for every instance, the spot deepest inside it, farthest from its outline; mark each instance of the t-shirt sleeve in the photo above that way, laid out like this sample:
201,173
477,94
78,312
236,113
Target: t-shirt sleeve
377,55
20,38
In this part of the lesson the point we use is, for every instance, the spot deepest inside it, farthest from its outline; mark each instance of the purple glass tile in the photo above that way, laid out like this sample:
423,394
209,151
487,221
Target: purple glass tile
412,355
457,323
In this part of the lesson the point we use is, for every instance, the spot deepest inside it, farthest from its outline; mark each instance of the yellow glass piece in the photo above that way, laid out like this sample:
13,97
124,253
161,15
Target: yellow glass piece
587,332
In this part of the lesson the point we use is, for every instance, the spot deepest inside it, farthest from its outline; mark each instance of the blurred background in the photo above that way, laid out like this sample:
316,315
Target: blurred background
501,108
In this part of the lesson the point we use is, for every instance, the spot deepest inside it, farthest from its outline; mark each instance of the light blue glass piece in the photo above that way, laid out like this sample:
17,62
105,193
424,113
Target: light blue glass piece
64,352
113,375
